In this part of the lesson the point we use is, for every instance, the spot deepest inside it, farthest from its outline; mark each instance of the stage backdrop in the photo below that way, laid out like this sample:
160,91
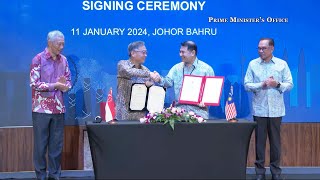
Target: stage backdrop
97,34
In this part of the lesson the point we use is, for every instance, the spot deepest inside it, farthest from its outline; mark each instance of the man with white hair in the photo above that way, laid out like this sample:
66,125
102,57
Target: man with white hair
49,79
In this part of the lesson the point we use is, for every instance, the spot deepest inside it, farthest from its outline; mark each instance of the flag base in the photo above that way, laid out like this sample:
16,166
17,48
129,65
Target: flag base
113,121
233,120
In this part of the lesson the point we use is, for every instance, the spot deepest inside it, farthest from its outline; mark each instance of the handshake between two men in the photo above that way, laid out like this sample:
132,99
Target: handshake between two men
155,76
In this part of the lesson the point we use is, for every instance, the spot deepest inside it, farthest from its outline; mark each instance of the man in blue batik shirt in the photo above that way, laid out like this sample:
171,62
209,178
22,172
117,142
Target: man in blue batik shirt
190,65
268,78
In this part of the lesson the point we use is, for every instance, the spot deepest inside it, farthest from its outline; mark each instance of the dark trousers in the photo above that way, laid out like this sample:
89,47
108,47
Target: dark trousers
48,135
271,127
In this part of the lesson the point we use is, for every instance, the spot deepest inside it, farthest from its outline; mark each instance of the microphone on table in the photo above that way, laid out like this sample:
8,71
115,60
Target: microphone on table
97,119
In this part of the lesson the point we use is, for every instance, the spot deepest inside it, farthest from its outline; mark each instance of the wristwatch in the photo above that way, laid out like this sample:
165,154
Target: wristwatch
278,85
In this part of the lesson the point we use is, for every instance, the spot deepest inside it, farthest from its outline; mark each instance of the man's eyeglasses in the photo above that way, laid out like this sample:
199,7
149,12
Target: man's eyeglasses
262,48
142,51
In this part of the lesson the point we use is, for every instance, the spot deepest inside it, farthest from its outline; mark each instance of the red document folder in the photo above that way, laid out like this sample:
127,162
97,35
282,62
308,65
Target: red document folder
206,89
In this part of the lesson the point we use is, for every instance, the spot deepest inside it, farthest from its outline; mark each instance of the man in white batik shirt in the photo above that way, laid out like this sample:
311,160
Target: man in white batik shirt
268,78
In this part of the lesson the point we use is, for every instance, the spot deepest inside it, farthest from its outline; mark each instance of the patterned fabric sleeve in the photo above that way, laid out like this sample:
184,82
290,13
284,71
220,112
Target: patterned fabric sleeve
287,83
249,83
210,71
35,82
168,80
129,72
67,74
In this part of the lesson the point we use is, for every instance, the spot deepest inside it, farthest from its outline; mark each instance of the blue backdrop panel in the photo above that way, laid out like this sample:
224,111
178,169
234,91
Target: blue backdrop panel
228,48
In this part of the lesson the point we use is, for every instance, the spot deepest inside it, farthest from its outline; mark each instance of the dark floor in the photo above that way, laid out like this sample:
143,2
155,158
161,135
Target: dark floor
285,177
250,177
291,176
288,173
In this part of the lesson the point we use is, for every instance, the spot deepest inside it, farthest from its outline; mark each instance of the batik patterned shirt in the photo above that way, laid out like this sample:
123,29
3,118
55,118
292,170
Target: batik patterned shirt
268,102
44,72
129,74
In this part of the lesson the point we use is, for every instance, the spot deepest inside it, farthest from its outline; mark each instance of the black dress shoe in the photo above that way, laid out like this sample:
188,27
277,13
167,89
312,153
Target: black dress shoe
276,177
261,177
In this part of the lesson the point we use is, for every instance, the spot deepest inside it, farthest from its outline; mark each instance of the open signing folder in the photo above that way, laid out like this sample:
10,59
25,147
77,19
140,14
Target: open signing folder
147,98
206,89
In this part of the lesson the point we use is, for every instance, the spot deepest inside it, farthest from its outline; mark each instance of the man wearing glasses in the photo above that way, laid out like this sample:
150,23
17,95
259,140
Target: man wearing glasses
268,78
190,65
131,71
